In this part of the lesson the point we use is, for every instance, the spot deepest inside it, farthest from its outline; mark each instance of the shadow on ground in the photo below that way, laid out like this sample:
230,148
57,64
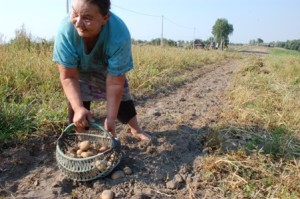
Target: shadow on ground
169,164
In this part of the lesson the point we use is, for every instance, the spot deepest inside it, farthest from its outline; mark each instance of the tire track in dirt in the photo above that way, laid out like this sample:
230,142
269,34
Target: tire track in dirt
196,104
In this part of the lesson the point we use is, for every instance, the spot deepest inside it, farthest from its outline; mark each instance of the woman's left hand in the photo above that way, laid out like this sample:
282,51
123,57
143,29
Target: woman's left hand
110,126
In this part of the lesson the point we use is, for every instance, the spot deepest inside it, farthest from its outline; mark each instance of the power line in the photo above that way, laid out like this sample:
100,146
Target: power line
195,30
185,27
149,15
178,24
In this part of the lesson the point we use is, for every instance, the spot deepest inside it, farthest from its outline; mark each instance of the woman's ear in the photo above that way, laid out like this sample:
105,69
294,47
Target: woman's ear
105,18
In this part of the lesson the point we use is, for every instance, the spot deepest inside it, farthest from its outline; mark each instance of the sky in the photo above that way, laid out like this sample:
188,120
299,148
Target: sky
269,20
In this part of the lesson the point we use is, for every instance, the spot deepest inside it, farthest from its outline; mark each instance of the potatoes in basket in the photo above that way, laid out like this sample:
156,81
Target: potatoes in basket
103,148
78,153
86,154
84,145
101,165
85,149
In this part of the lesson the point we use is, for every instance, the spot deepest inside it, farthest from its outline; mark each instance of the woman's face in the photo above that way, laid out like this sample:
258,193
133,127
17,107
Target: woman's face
87,18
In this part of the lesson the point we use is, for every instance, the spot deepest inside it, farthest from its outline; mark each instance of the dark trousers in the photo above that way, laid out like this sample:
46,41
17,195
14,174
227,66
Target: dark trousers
126,111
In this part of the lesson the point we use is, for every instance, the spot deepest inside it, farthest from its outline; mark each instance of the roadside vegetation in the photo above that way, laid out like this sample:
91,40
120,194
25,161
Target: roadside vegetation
255,149
32,100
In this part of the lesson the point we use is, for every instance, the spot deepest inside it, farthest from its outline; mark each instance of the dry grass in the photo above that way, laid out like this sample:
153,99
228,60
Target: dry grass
156,67
258,155
32,98
248,163
239,175
266,93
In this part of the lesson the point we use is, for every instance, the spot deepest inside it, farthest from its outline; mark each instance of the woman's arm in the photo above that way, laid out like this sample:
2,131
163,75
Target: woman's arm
114,90
69,78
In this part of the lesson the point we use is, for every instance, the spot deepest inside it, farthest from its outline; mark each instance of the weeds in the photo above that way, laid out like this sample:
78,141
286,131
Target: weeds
238,175
32,97
278,143
258,158
262,164
268,99
258,155
154,64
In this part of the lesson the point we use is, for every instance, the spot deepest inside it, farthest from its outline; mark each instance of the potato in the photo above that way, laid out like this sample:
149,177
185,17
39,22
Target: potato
94,145
112,157
127,171
101,165
84,145
117,174
107,194
109,163
103,148
94,151
86,154
78,152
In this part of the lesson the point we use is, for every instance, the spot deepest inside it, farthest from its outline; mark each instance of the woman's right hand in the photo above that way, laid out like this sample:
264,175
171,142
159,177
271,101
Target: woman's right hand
82,117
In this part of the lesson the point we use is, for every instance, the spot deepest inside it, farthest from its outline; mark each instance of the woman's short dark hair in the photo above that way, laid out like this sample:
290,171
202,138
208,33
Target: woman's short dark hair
104,5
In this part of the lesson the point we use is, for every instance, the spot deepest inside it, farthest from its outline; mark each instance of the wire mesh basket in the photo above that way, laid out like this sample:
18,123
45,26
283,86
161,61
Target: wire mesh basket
99,164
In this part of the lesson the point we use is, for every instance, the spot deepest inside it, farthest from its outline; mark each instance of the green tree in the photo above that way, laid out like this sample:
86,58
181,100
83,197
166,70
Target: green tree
260,41
221,31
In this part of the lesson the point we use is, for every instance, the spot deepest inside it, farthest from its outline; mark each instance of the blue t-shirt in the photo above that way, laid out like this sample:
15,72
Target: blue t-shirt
111,53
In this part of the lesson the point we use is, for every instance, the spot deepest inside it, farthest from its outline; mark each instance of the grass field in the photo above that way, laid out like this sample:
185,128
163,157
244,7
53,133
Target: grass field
265,119
265,115
32,99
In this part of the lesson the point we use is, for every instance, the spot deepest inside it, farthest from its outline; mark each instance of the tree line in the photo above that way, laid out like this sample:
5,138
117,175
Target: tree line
290,44
220,39
221,31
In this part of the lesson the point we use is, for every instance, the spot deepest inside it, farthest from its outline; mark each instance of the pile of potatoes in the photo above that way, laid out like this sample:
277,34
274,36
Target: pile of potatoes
86,149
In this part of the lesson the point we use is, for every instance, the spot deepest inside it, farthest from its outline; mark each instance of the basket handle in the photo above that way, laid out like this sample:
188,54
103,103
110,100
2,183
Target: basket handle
115,142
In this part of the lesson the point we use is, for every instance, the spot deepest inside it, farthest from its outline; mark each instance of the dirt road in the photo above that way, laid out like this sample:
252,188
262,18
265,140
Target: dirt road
178,119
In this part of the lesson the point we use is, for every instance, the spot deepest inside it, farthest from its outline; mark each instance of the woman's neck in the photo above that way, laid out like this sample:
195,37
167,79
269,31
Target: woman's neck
89,43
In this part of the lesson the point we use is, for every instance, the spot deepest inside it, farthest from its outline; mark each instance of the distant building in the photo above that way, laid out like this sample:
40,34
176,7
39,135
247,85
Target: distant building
199,44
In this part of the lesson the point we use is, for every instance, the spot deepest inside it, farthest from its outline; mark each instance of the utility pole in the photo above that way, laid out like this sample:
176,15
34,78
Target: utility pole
194,38
67,6
162,31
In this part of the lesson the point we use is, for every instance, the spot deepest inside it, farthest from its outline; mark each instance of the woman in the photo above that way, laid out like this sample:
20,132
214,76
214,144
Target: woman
93,52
